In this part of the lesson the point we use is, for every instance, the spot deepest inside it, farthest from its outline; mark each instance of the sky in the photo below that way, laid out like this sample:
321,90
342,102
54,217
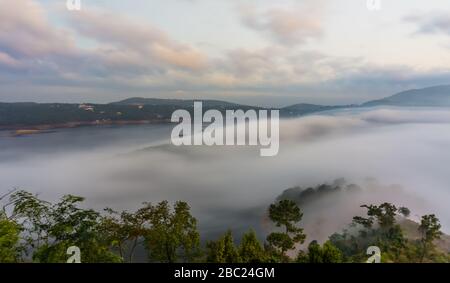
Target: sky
250,51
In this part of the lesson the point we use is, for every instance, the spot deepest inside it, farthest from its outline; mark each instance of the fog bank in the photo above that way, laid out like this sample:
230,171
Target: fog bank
230,187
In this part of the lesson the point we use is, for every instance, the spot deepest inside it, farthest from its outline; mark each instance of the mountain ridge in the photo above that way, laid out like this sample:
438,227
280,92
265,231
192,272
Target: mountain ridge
429,96
23,115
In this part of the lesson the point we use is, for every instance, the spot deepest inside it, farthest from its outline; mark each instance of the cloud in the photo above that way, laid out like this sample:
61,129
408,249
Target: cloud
125,52
431,23
27,36
136,42
9,61
89,54
26,33
289,26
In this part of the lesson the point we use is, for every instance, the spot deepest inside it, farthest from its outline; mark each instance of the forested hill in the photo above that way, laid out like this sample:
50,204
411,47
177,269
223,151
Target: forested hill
20,115
133,110
155,110
436,96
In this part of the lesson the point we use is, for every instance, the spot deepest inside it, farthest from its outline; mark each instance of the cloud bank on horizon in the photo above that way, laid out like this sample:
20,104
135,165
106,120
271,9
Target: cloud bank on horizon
316,51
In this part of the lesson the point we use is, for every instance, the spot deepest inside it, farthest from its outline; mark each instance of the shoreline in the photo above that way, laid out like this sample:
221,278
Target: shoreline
25,130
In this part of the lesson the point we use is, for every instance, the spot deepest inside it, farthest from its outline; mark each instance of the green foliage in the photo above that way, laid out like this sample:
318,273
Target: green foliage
250,249
384,214
328,253
49,229
9,241
380,229
430,231
34,229
285,214
173,235
124,231
282,242
314,252
223,250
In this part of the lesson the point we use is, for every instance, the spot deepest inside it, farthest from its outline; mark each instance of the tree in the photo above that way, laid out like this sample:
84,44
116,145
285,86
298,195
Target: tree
223,250
281,242
250,249
430,231
384,214
50,229
9,234
314,252
302,257
173,235
9,241
125,231
285,214
328,253
386,234
214,251
31,213
404,211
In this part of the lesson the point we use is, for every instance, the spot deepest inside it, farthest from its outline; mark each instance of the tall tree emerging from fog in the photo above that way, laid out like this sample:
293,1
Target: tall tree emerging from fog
430,230
388,234
285,214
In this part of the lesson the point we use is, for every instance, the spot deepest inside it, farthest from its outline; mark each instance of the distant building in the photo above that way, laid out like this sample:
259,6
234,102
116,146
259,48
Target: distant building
86,107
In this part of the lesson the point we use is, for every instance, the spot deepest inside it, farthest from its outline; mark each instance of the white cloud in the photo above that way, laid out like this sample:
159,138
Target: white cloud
287,25
431,23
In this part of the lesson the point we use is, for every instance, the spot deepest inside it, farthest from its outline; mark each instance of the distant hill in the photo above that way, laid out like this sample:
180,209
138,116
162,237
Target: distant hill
412,232
26,115
176,102
30,115
430,96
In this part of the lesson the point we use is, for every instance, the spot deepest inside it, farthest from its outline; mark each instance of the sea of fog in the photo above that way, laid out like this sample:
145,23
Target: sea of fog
400,155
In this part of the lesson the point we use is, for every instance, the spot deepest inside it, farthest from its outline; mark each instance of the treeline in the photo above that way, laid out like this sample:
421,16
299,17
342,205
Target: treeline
27,114
34,230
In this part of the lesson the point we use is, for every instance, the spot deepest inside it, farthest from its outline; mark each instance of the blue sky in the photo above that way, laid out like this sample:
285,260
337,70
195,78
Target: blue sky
260,52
